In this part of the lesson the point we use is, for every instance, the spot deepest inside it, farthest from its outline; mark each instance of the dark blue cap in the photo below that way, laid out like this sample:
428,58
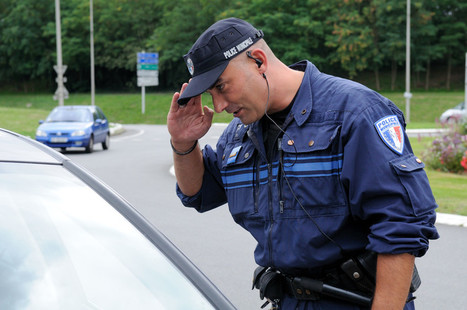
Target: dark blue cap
213,50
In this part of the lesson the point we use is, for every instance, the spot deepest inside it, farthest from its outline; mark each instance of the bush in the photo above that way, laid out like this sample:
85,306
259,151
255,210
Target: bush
449,152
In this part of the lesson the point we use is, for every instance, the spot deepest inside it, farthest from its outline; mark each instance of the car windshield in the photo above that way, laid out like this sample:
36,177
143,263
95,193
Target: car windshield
70,115
62,246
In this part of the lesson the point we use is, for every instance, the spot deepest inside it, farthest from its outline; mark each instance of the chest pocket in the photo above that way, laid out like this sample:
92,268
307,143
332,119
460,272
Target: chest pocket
312,165
238,176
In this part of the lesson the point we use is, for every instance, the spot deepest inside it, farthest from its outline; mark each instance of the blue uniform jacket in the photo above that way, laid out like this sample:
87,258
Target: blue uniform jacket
344,171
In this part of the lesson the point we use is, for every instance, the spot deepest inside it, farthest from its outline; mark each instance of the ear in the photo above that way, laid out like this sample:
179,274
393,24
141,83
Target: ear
260,58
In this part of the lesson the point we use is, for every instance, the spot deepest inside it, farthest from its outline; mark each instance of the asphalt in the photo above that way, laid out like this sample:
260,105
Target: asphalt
442,218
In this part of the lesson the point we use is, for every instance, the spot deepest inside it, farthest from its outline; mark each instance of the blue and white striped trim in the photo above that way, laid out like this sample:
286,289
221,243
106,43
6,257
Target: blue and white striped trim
294,167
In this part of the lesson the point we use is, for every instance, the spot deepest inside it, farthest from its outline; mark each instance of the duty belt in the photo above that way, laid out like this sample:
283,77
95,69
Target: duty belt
303,288
272,284
352,281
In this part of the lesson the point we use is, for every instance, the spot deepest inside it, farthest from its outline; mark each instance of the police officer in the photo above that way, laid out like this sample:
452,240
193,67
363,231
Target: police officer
317,168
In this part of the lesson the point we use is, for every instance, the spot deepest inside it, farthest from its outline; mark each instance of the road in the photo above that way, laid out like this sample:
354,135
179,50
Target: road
138,164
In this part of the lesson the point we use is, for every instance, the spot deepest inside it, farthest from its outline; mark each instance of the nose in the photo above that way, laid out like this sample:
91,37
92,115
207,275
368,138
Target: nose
219,104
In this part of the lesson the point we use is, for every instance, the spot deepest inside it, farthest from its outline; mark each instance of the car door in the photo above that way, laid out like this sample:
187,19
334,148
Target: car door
105,122
97,127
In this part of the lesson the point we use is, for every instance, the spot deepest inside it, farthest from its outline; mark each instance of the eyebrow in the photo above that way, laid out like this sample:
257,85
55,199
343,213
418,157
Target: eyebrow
219,80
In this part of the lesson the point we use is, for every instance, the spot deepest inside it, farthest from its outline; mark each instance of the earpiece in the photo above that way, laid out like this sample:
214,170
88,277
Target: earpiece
259,63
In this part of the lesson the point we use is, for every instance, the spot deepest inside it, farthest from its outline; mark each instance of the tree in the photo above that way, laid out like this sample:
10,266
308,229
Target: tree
295,30
392,26
339,36
25,52
449,18
74,15
180,25
355,36
424,43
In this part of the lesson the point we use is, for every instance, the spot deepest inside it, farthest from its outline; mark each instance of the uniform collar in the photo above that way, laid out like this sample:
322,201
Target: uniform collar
303,105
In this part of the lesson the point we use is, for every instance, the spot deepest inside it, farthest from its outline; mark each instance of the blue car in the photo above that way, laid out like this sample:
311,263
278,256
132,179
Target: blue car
74,126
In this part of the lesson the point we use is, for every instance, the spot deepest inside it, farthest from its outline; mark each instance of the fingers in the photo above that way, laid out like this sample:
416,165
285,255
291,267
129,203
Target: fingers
208,112
174,104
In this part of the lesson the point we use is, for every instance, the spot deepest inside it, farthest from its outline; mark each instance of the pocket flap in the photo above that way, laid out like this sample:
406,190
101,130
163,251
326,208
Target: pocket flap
313,138
407,163
409,170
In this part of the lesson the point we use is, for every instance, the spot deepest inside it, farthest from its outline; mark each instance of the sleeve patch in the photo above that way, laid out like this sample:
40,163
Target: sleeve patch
390,130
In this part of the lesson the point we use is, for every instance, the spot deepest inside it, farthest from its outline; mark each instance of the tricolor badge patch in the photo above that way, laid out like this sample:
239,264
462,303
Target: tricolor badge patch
233,155
390,130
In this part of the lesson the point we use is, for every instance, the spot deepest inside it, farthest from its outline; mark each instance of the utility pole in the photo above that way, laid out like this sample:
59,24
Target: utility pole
91,27
407,93
465,89
61,93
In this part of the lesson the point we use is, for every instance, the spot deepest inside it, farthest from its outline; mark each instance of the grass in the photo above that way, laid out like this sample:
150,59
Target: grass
21,113
449,189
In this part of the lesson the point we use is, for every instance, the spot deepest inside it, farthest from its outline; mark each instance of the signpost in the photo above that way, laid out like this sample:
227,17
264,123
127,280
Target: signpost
147,71
61,93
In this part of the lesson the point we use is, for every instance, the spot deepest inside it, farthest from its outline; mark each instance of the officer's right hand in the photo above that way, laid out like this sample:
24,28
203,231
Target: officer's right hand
188,123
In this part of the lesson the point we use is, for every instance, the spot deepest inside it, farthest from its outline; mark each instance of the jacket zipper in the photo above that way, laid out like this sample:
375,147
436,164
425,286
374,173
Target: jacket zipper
271,214
279,175
259,147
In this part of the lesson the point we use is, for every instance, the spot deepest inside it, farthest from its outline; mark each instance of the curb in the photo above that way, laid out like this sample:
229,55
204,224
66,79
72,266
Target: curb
425,132
116,129
451,219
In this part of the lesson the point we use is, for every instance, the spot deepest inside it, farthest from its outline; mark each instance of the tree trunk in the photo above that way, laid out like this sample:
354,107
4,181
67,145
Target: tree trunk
427,76
393,74
378,86
417,75
448,75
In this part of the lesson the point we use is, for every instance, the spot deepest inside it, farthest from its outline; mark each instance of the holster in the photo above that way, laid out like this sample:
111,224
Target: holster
269,283
361,270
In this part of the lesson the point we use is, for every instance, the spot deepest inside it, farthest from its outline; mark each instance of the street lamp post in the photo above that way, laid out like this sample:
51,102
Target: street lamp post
465,89
407,93
91,27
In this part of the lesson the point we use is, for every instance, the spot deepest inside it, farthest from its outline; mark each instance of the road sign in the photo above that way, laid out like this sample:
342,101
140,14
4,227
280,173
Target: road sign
148,58
147,73
61,92
64,67
147,66
148,61
148,81
64,91
147,55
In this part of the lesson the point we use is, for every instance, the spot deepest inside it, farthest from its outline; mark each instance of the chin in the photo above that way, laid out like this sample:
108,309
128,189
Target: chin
246,122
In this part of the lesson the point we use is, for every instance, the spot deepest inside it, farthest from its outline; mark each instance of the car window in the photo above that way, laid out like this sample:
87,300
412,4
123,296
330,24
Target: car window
69,115
101,114
62,246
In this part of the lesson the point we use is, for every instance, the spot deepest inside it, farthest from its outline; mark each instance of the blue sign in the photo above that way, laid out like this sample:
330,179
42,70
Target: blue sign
148,58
